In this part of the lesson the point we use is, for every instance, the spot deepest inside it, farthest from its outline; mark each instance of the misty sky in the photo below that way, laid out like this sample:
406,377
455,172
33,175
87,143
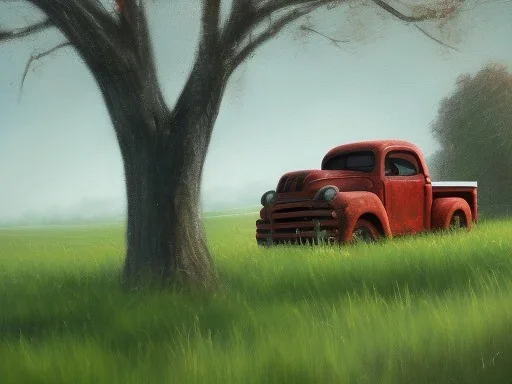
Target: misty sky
283,109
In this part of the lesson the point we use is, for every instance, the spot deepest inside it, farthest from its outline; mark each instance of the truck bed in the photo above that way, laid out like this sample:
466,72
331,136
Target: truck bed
454,184
463,189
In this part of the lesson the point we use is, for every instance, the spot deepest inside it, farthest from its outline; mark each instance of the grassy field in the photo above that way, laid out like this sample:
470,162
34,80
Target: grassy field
428,309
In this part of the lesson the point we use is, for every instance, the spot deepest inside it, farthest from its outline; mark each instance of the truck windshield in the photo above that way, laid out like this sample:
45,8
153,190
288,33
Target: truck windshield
352,161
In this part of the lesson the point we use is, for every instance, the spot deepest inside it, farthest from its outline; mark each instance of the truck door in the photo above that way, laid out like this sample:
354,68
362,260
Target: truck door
404,192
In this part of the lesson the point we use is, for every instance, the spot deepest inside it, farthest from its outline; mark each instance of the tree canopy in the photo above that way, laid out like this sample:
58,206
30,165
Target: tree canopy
474,128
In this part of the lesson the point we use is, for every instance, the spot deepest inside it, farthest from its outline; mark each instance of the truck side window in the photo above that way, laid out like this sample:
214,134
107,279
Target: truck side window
401,164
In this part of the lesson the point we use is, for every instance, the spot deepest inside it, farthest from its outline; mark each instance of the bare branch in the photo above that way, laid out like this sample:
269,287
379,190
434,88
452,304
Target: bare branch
90,28
436,39
135,30
22,32
115,47
273,29
210,21
424,14
335,42
38,57
240,23
130,12
245,16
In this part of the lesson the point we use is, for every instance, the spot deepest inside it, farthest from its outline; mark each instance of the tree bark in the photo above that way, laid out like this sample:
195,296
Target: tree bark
163,154
166,240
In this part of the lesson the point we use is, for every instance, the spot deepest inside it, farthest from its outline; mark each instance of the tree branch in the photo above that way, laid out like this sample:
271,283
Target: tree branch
337,42
38,57
246,15
22,32
435,39
273,29
132,12
90,28
135,30
117,51
426,14
210,21
334,41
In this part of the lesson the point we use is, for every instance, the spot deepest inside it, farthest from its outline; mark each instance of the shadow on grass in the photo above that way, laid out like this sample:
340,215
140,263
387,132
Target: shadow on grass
98,307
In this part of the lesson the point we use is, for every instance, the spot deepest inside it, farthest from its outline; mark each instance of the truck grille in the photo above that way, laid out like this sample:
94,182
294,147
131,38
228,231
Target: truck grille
298,224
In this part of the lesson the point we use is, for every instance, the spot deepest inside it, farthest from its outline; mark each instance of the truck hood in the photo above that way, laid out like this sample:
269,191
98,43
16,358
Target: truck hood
314,179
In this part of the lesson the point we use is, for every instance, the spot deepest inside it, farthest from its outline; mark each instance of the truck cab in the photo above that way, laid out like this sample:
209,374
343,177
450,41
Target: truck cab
365,190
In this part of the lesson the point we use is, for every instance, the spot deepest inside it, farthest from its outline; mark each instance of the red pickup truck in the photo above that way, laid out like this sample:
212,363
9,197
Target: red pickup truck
365,191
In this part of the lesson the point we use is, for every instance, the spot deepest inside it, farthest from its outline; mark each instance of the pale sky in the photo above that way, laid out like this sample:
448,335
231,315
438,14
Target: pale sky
283,109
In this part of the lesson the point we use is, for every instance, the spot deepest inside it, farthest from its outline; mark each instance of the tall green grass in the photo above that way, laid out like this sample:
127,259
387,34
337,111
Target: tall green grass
425,309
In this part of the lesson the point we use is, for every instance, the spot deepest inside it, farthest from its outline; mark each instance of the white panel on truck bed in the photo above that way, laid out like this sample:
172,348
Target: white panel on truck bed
472,184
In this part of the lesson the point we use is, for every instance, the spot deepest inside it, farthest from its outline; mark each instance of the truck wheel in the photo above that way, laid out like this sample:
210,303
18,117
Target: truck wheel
365,231
450,212
458,221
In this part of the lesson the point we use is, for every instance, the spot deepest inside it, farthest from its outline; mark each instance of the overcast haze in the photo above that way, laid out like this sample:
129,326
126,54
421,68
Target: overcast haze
283,109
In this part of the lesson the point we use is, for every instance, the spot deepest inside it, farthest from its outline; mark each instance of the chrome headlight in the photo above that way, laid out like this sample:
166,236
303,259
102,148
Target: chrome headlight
268,198
327,193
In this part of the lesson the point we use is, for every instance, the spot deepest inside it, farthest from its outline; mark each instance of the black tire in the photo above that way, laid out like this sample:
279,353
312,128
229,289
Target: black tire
365,231
458,221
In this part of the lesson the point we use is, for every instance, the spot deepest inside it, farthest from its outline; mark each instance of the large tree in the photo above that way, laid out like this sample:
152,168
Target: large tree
474,128
164,148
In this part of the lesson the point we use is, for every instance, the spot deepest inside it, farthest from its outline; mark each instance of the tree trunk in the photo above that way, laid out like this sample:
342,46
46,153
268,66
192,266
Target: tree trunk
165,234
166,239
163,154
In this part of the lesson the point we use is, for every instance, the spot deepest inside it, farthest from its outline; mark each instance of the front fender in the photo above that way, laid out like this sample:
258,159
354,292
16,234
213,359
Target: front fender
350,206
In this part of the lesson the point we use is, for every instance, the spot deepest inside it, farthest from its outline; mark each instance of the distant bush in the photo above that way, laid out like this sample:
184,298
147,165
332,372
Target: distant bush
474,128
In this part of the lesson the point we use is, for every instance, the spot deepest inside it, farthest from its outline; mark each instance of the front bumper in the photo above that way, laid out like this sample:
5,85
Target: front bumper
306,222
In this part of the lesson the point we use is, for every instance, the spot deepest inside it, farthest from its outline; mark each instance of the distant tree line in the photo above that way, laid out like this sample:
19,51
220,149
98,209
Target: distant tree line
474,128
